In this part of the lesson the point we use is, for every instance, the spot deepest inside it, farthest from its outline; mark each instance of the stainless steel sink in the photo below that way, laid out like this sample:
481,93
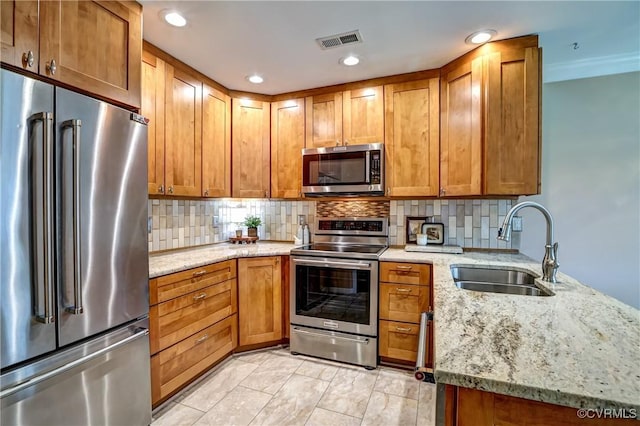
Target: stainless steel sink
509,281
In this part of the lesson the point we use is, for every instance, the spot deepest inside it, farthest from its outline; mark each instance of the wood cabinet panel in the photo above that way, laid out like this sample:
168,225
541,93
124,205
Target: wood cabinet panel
286,296
153,82
399,340
323,120
216,143
96,46
19,33
405,273
404,302
183,137
461,137
363,116
287,142
512,122
176,366
250,148
412,138
259,300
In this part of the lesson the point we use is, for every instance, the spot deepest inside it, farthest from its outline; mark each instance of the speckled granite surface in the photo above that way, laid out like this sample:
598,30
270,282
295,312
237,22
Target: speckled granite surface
578,348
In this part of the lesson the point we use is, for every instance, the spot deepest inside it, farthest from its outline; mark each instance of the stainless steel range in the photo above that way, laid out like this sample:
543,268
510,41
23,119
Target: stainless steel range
334,290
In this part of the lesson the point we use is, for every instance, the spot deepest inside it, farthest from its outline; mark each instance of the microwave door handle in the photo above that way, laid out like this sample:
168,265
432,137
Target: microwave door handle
367,165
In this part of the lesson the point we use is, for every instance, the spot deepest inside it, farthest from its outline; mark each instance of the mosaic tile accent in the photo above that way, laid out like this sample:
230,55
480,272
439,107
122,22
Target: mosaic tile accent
352,208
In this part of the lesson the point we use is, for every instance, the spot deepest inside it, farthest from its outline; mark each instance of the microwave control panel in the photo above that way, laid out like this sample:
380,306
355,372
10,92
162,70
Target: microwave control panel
375,168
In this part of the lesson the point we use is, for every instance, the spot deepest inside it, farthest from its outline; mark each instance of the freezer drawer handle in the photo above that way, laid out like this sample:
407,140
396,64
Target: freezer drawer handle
77,309
47,316
35,380
328,336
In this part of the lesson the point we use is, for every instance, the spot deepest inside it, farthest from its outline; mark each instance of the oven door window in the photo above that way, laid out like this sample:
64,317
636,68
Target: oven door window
335,169
333,293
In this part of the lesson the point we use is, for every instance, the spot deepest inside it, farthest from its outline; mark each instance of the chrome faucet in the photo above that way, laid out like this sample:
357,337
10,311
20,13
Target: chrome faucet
550,261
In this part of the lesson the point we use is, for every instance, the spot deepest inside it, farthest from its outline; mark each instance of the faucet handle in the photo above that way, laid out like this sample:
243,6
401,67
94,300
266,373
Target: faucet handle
555,254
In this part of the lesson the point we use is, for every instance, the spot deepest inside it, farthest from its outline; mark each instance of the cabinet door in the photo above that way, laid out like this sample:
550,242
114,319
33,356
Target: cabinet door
412,138
183,126
216,143
250,148
153,81
363,116
96,46
287,142
323,120
259,300
512,121
19,33
461,139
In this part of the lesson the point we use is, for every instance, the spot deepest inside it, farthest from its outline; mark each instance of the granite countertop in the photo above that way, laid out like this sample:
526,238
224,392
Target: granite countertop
578,348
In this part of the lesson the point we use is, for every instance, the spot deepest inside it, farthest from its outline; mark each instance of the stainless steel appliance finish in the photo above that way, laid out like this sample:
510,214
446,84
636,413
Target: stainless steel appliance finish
508,281
343,170
354,349
74,264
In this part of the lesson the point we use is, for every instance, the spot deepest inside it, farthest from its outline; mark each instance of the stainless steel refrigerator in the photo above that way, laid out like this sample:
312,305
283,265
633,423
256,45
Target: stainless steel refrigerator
74,292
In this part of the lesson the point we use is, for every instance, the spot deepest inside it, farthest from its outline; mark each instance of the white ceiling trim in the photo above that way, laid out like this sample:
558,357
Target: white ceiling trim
591,67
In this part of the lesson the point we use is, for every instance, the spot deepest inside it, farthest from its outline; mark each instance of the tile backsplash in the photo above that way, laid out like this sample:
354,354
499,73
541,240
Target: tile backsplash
186,223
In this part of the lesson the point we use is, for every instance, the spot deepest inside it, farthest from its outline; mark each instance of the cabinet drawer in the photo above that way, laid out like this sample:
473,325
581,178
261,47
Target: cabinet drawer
176,319
177,365
400,302
400,340
171,286
406,273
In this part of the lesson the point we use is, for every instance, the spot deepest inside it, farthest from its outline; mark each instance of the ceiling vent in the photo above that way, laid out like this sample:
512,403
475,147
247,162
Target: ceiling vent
339,39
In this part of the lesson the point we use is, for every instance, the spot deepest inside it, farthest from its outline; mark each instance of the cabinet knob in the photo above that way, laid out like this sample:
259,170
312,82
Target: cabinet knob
265,194
52,67
337,142
442,191
346,142
161,189
28,59
206,192
388,191
171,189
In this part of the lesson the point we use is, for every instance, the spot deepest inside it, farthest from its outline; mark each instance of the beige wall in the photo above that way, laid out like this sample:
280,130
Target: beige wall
591,182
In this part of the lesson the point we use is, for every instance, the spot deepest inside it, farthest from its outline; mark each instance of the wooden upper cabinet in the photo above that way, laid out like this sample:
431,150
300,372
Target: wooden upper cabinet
363,116
287,142
216,143
461,137
153,103
511,146
183,127
96,46
19,34
412,137
250,148
323,120
259,300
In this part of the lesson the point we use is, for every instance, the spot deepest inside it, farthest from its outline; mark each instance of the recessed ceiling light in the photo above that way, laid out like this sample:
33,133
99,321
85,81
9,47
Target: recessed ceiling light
480,37
255,79
173,18
350,60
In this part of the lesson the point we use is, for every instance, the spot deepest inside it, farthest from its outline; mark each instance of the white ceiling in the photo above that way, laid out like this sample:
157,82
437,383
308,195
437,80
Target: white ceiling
228,40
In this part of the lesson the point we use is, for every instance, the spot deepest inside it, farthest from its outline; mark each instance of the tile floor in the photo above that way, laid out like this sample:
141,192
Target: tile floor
273,387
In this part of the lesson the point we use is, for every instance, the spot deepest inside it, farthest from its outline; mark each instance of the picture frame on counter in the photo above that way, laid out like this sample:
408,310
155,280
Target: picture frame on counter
435,233
414,227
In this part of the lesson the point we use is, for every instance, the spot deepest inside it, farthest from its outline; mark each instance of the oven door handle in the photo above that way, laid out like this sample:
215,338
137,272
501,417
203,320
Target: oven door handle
330,264
363,341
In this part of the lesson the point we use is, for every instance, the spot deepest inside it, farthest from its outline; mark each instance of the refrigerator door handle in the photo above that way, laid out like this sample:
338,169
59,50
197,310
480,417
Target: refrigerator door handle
77,309
45,205
140,332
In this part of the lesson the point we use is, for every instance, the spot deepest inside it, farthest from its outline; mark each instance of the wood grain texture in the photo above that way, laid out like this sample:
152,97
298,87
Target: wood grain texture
259,300
363,116
323,120
403,302
19,32
97,46
461,130
412,138
399,340
286,296
216,143
250,147
405,273
152,107
183,133
287,142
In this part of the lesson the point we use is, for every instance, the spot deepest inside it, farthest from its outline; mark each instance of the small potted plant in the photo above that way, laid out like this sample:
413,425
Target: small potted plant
252,223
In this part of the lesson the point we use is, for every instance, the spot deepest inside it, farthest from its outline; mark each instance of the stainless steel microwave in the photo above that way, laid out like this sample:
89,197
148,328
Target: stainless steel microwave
343,170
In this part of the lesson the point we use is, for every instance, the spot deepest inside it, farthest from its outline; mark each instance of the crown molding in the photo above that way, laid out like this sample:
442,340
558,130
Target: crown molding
591,67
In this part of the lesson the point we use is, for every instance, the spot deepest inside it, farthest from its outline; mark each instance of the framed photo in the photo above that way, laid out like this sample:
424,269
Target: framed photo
435,233
414,227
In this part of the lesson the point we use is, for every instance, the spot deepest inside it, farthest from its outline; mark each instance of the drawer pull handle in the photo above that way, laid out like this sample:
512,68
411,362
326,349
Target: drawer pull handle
202,339
406,330
199,273
404,268
403,290
199,296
